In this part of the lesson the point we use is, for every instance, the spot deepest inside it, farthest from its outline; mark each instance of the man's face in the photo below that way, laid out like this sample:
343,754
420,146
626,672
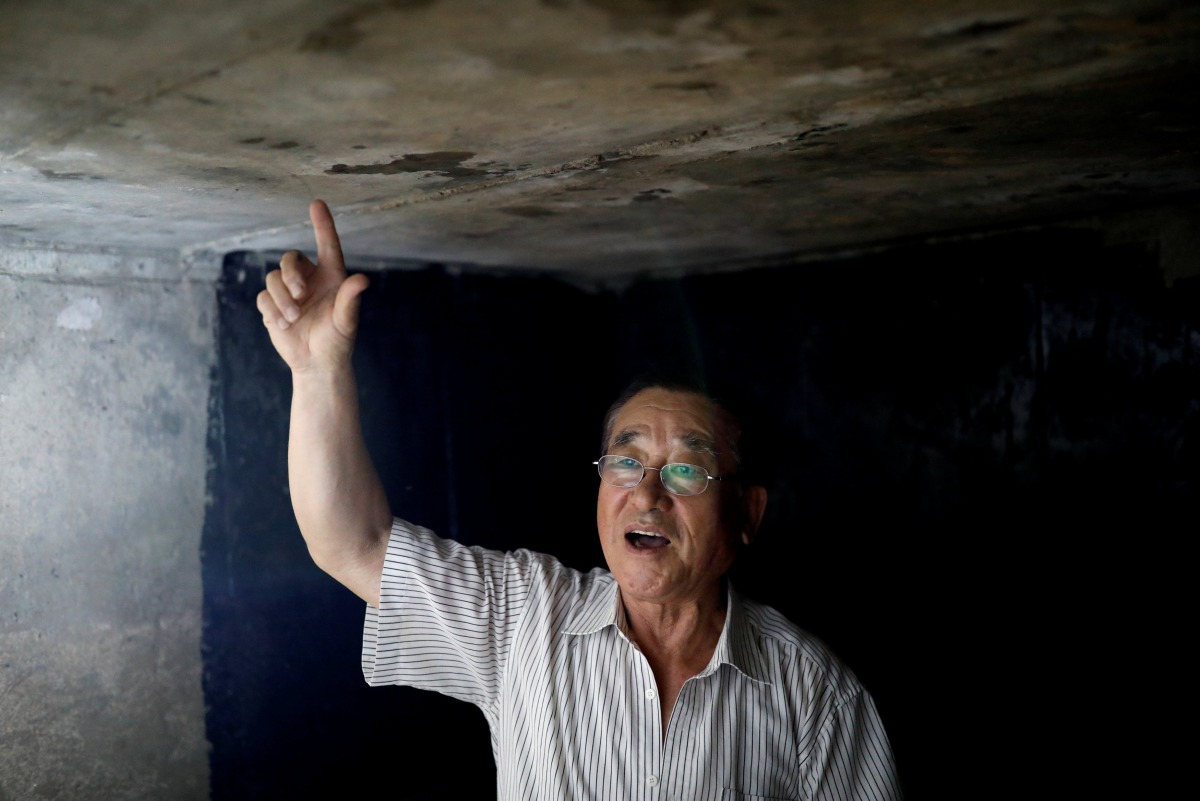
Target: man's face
665,548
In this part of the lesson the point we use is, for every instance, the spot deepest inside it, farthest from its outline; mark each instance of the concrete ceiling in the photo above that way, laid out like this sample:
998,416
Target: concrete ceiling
590,138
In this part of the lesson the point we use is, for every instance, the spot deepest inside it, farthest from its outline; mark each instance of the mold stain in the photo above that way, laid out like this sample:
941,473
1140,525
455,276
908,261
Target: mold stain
817,130
530,212
341,33
658,15
648,195
446,162
762,10
687,86
662,17
69,176
258,140
980,28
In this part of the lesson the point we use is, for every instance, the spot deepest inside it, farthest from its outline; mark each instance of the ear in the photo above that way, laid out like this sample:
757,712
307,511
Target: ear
754,499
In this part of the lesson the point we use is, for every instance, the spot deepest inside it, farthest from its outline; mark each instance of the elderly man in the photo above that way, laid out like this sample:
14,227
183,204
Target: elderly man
653,679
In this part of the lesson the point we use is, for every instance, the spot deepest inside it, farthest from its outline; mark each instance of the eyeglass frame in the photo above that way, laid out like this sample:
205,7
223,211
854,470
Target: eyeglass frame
645,467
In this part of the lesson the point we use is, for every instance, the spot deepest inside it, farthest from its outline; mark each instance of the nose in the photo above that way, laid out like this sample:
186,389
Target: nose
651,493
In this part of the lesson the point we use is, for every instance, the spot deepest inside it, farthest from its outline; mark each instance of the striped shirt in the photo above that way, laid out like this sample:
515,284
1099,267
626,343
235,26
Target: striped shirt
572,703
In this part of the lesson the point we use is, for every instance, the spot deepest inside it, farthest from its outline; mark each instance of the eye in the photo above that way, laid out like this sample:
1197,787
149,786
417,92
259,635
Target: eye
685,479
622,468
621,471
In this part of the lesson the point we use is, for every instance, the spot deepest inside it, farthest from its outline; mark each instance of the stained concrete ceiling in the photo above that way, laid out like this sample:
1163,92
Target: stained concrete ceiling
584,137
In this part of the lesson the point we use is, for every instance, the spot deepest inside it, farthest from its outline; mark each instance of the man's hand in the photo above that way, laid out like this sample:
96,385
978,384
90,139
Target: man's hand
311,310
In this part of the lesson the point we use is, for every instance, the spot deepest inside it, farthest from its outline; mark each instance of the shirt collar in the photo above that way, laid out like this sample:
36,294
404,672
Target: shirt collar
737,645
598,610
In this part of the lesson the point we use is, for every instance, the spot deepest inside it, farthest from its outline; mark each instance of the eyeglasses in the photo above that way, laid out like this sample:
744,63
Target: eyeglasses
678,478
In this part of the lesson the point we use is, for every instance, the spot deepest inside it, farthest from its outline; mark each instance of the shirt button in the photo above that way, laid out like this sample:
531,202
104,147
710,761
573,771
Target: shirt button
652,781
651,694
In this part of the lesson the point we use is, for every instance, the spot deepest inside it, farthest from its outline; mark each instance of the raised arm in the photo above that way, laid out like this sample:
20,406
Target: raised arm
311,312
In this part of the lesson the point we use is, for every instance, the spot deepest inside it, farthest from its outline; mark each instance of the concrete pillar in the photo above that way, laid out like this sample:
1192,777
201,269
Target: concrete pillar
104,379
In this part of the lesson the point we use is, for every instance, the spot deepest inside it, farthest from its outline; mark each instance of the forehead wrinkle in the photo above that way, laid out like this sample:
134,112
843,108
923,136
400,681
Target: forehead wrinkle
692,441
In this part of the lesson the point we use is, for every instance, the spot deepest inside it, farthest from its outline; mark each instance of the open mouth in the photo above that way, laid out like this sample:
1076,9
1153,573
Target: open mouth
641,539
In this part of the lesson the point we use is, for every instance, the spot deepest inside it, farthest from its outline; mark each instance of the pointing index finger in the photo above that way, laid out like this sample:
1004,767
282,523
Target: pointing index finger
329,247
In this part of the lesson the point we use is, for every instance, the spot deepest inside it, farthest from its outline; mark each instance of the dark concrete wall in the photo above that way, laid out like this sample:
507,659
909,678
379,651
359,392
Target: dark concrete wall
951,431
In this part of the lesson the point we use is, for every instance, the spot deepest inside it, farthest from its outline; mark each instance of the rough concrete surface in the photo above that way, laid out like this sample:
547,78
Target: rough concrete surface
595,138
103,394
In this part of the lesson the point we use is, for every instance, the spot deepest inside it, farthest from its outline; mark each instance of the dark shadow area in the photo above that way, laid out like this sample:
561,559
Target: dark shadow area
948,434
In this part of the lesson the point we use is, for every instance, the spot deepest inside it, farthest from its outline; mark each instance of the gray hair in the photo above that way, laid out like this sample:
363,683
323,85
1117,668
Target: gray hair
674,384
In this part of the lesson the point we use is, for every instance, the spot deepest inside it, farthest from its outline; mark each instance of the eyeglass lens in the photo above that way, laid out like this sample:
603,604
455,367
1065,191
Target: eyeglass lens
679,478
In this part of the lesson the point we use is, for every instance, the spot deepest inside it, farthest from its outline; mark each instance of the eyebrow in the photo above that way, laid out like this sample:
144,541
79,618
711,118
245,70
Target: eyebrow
693,441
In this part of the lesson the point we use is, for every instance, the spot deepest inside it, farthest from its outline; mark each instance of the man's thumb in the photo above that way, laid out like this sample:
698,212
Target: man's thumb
346,303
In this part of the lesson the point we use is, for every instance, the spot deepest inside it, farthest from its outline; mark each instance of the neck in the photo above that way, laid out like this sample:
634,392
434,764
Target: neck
678,641
677,635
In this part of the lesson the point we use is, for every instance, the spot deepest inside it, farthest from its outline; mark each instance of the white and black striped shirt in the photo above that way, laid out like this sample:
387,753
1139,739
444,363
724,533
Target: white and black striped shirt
572,703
